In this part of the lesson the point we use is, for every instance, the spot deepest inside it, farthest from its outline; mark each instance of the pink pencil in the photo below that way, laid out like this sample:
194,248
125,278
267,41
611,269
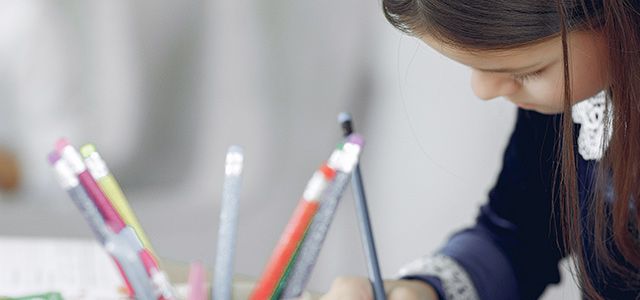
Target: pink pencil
111,216
197,290
72,156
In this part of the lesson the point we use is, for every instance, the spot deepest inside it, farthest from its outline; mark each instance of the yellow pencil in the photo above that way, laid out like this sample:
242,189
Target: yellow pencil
112,190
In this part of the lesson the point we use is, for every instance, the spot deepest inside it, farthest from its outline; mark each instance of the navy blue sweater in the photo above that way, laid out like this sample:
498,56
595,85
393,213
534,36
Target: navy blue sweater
513,250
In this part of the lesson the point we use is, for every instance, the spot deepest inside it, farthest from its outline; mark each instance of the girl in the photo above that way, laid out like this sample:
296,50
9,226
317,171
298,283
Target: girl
571,171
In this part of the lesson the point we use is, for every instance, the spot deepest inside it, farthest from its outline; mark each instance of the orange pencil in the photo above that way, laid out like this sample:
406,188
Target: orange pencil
293,233
303,215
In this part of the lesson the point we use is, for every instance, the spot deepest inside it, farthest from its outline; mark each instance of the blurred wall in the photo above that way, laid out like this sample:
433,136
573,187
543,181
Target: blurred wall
163,87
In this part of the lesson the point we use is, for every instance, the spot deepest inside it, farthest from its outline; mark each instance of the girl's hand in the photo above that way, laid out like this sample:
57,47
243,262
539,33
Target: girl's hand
359,288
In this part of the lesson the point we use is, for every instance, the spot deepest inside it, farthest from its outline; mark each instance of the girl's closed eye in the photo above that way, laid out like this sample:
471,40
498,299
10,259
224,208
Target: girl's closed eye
527,76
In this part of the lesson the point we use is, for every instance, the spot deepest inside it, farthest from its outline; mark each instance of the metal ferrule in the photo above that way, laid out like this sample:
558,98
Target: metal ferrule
74,159
233,164
161,281
334,159
96,165
65,175
350,158
315,187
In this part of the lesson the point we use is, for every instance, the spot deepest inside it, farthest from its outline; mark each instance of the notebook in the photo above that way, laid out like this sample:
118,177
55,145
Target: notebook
77,269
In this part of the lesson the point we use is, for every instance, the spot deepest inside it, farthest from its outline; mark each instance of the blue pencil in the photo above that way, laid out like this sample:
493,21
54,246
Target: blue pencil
222,287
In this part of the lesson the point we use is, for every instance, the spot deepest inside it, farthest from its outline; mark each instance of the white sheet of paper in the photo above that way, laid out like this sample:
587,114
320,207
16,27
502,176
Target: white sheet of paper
78,269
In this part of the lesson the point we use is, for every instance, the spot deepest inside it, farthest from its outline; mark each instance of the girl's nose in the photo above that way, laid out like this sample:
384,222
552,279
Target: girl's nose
487,85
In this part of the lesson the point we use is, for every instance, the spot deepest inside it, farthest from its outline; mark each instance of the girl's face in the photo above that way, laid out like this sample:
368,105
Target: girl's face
532,76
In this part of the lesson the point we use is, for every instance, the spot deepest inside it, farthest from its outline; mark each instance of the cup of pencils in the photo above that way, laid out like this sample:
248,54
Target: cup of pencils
85,177
95,192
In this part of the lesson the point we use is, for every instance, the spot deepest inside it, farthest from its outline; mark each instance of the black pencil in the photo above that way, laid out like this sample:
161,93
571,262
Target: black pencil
366,232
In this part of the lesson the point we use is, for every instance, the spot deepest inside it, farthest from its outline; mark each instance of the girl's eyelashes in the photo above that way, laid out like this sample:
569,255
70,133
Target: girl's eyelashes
527,76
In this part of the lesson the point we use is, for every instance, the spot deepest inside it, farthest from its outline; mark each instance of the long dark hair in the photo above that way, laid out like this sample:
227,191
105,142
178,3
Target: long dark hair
489,25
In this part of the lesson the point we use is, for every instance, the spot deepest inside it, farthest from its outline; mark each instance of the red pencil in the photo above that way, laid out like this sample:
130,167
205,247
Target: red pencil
108,212
293,233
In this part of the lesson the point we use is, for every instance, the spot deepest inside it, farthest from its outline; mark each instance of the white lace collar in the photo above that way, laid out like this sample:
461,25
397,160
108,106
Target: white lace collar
590,115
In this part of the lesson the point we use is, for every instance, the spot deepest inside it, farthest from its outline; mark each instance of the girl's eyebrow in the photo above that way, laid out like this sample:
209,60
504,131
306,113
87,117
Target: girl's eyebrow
509,70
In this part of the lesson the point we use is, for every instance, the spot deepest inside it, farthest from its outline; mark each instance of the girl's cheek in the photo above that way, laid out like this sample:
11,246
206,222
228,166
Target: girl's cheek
555,90
545,92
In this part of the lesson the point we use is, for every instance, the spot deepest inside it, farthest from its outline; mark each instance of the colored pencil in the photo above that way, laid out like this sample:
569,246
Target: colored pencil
298,273
227,230
295,230
132,270
197,289
111,188
108,212
293,233
366,232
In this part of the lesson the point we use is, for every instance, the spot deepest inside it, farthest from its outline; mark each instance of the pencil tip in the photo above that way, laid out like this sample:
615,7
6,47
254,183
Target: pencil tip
344,117
346,123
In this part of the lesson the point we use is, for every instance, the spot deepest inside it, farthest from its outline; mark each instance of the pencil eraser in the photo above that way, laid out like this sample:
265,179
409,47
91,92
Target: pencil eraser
53,157
61,144
356,139
344,117
87,150
235,149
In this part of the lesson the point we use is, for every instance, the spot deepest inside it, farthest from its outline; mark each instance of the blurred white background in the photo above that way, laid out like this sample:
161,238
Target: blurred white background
164,87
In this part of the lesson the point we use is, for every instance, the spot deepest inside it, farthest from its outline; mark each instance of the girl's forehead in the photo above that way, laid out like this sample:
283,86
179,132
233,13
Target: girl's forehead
525,57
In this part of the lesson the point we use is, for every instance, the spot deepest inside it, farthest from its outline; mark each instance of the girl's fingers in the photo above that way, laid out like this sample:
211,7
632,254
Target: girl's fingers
409,290
359,288
347,288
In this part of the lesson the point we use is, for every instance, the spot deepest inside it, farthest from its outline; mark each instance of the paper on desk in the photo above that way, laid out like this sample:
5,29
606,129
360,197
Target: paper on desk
78,269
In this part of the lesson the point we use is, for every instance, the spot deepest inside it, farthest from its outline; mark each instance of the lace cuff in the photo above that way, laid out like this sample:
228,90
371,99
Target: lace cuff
456,282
